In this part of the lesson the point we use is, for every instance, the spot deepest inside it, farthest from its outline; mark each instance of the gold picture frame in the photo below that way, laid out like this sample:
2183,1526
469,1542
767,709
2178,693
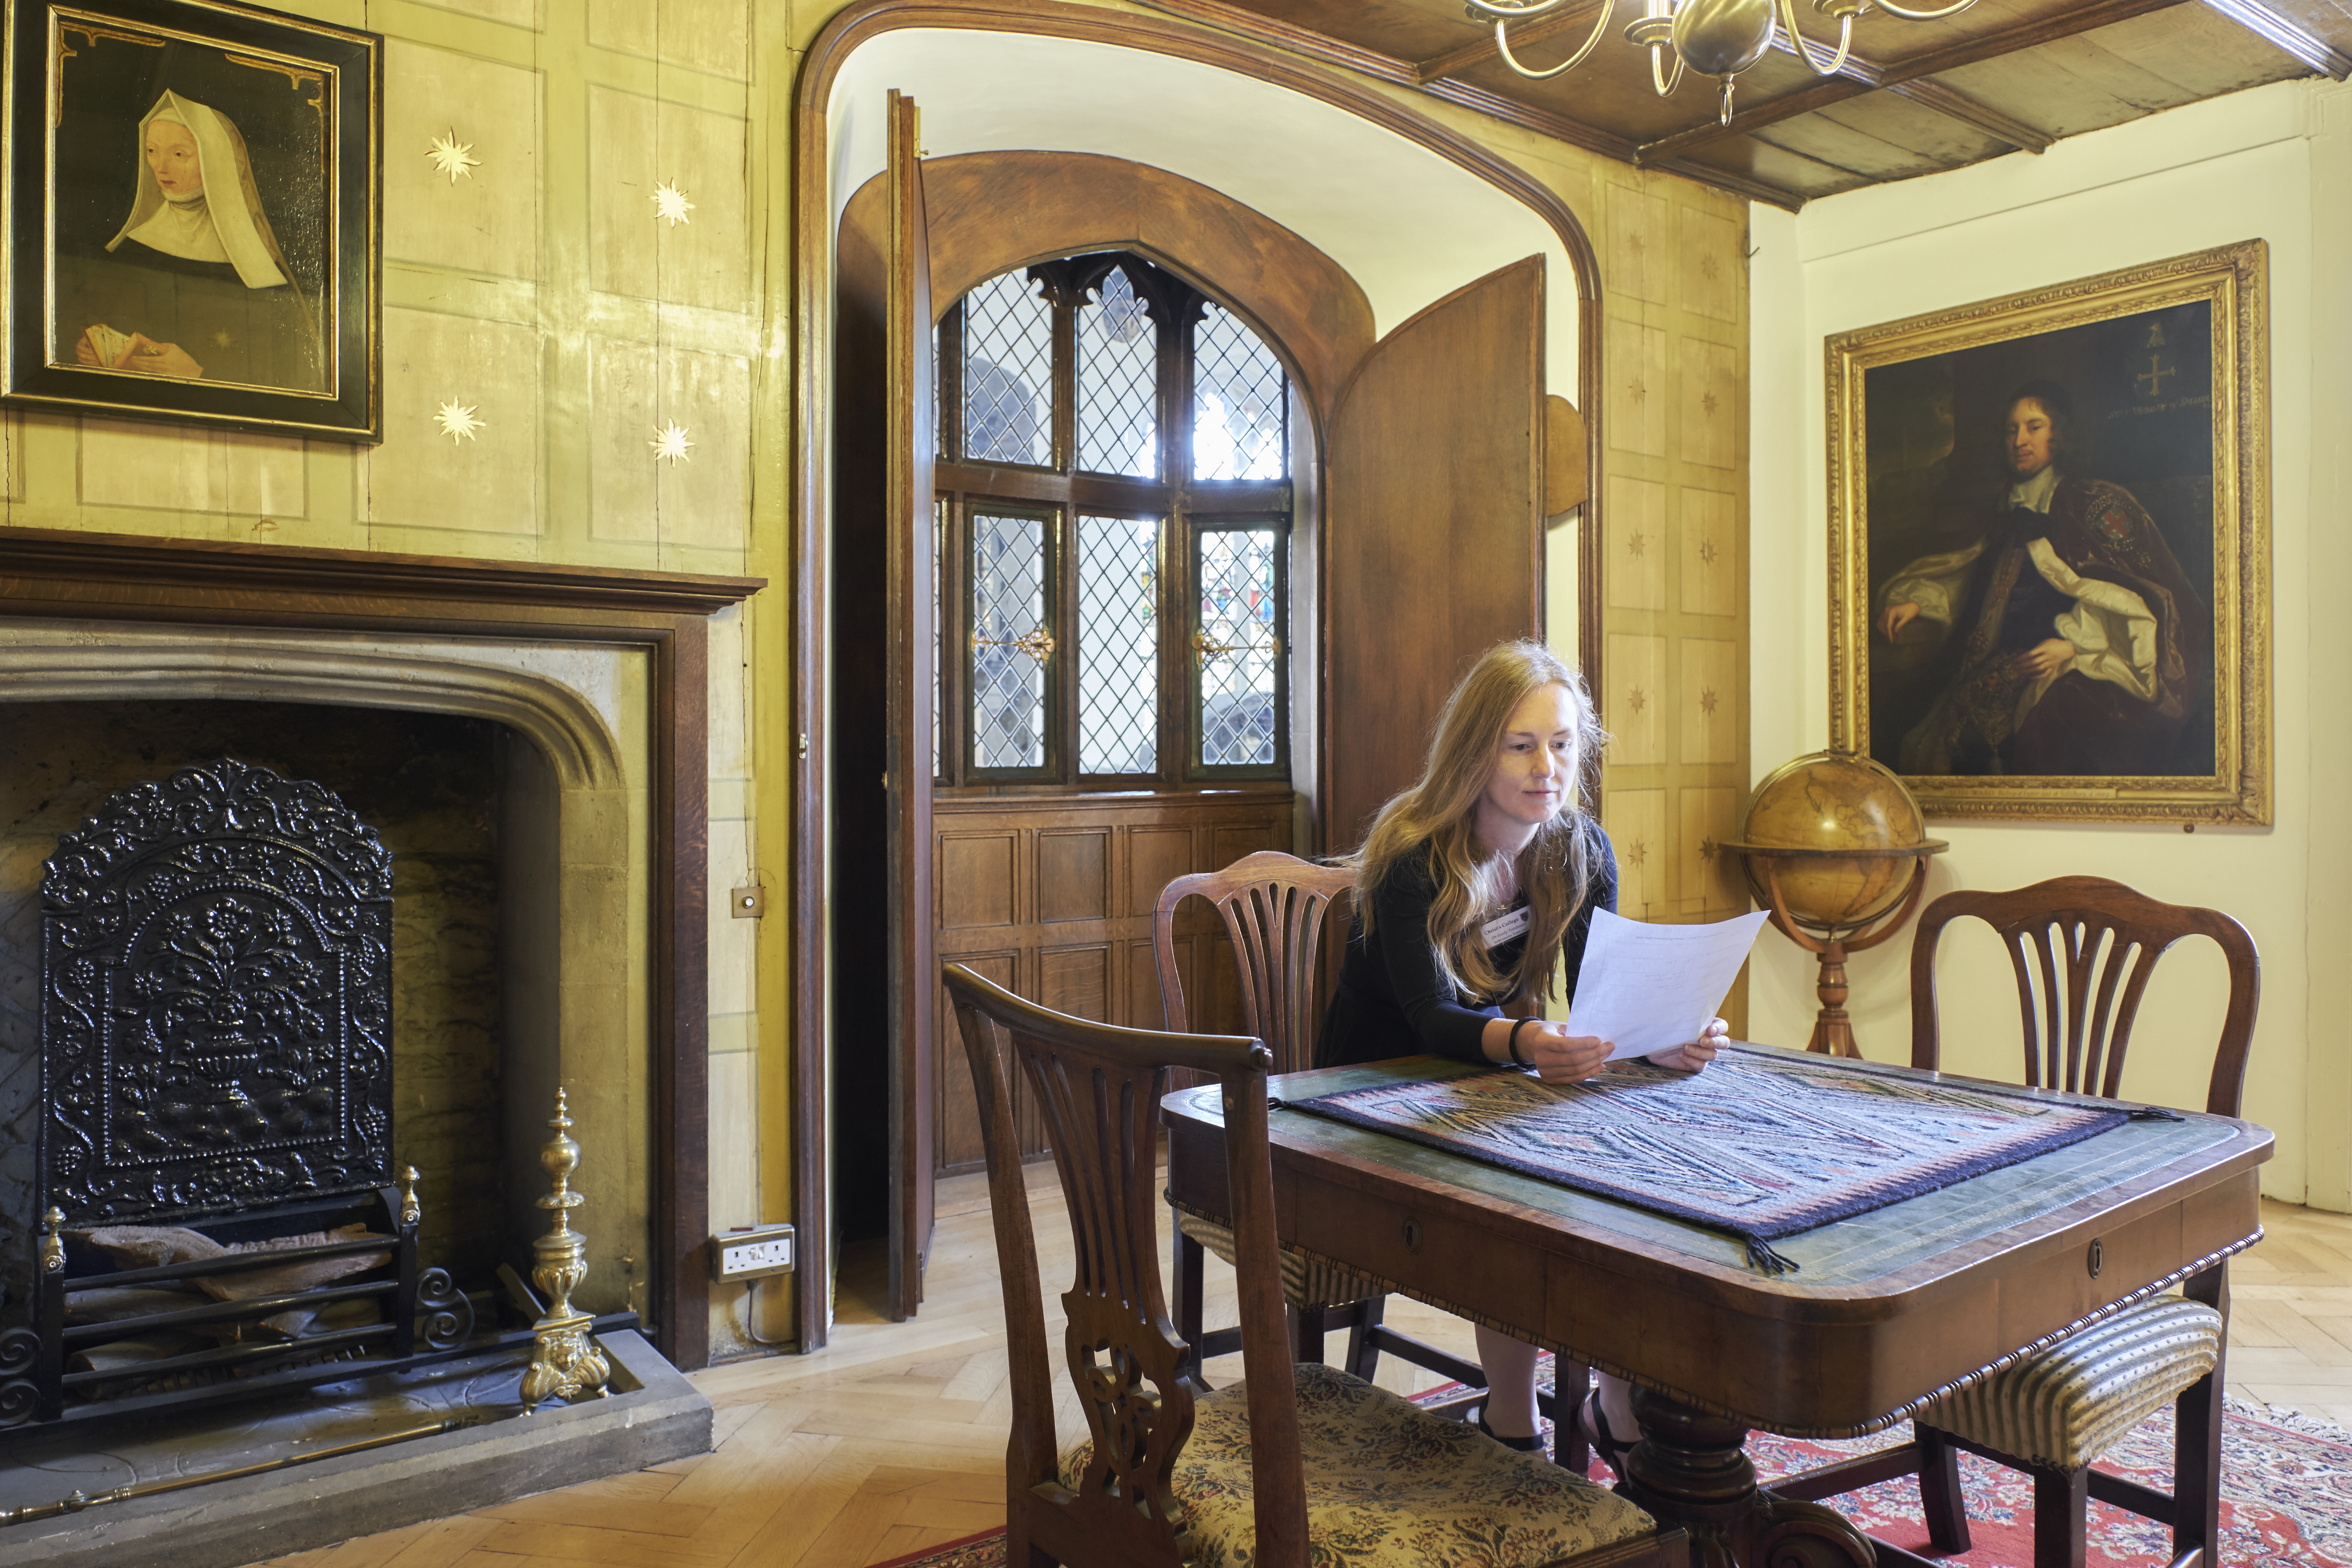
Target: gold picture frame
194,210
2050,548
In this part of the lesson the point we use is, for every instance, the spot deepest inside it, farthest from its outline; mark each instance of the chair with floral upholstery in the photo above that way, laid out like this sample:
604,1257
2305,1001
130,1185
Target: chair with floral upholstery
1293,1463
2082,949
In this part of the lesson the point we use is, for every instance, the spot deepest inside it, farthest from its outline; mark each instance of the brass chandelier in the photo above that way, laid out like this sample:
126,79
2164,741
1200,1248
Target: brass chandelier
1715,37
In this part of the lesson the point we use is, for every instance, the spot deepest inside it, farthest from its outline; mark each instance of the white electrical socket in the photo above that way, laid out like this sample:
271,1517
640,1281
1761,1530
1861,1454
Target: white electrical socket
754,1252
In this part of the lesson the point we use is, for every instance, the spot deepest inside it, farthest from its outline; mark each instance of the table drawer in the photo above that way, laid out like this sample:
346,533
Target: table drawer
1462,1264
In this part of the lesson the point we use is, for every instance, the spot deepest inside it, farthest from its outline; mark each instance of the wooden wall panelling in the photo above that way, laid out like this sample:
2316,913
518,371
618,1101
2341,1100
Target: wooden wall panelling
1674,586
1052,897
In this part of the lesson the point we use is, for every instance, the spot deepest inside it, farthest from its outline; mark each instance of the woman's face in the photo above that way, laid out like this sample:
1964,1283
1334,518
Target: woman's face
172,156
1537,759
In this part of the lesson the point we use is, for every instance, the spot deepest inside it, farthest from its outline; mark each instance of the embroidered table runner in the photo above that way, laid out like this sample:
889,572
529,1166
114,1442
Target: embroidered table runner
1760,1143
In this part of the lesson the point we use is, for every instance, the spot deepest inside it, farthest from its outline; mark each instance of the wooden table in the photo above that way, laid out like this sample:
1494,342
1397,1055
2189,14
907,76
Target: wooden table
1884,1310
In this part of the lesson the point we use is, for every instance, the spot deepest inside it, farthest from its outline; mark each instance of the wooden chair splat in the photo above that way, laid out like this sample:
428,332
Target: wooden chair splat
2083,949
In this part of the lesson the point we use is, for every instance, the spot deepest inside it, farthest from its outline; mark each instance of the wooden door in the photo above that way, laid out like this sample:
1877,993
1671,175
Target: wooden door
906,785
1433,547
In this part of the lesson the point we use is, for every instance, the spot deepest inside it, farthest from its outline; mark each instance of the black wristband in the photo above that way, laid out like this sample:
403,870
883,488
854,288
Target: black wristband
1512,1043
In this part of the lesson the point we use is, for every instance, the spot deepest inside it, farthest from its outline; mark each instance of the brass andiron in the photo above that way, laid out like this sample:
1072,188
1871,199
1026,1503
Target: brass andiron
566,1362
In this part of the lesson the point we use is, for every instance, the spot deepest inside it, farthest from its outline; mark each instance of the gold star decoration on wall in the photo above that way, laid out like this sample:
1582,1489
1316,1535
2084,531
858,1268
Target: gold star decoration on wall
1707,701
670,444
670,204
457,421
453,157
1706,551
1637,700
1636,545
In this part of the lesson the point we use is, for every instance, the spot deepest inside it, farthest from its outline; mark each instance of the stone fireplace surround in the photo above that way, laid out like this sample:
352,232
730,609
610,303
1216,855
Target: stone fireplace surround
603,827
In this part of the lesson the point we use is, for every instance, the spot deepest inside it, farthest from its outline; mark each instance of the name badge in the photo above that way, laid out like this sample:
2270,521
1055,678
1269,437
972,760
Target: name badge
1503,928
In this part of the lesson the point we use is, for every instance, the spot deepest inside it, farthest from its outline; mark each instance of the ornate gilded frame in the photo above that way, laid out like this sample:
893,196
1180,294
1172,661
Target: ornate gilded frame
304,359
2233,280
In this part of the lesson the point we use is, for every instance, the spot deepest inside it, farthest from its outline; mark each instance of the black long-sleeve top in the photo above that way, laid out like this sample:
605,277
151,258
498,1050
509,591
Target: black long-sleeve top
1394,1001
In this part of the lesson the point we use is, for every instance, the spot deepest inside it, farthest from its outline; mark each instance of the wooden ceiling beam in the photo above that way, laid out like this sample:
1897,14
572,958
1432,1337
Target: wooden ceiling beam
1953,104
1838,88
2259,18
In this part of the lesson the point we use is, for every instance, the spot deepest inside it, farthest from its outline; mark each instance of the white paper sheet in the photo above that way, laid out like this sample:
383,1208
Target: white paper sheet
1653,987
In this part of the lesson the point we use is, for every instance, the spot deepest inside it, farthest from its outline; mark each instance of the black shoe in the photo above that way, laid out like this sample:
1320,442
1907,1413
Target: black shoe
1594,1421
1530,1444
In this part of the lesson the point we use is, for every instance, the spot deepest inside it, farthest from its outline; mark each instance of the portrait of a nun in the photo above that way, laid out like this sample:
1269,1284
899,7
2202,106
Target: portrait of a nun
195,284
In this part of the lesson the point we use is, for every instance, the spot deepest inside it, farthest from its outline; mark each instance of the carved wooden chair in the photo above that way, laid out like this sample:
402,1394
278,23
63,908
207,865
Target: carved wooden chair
2082,948
1309,1462
1273,906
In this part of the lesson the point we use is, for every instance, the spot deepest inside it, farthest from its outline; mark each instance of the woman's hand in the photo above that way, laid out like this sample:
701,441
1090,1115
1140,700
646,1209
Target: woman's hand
1698,1053
1560,1056
1894,617
149,357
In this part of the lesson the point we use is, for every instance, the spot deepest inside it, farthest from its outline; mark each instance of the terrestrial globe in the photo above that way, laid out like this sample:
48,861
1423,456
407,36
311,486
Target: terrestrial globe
1817,806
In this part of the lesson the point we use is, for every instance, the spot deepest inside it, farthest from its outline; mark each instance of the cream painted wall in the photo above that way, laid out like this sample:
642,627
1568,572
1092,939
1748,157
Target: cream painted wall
2276,165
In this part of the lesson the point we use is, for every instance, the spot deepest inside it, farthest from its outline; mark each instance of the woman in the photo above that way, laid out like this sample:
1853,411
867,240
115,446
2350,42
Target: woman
194,285
1466,886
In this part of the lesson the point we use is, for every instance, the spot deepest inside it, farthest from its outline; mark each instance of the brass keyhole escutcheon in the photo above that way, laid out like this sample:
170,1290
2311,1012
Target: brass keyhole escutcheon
1413,1236
2098,1258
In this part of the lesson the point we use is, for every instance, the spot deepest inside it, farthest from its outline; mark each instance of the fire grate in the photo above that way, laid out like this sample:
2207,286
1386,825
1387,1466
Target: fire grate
216,1077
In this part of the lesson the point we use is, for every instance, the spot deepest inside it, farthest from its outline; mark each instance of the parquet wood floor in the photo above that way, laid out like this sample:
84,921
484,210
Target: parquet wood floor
891,1439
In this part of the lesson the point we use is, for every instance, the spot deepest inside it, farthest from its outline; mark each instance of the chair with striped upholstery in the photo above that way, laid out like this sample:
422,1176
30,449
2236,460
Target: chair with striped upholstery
2082,949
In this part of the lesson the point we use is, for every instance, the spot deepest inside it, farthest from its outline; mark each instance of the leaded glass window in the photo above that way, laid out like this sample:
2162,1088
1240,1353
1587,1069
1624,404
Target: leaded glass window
1114,533
1241,402
1008,373
1238,646
1010,642
1118,381
1118,645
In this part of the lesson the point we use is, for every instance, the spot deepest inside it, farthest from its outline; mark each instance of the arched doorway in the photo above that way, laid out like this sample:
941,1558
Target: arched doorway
1452,247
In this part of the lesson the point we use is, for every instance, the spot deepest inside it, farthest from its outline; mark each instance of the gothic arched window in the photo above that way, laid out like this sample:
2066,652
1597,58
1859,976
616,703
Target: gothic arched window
1113,530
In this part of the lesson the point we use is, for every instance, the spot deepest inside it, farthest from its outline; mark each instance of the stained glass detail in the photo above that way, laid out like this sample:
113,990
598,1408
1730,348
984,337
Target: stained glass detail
1237,647
1008,373
1119,382
1241,402
1119,651
1009,642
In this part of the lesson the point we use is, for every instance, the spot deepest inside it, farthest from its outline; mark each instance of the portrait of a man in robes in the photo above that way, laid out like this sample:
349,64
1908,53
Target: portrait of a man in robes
2064,637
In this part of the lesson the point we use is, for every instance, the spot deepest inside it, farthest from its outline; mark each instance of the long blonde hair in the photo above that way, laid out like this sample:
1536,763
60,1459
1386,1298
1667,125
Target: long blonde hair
1433,819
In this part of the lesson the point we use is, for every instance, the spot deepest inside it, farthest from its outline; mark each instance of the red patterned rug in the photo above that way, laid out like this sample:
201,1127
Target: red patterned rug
2286,1495
2286,1498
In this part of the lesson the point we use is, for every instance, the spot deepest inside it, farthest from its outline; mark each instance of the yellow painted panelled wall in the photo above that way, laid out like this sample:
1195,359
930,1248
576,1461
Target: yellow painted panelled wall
543,290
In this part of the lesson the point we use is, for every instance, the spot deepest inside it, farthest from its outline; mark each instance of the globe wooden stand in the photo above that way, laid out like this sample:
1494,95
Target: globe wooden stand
1832,1030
